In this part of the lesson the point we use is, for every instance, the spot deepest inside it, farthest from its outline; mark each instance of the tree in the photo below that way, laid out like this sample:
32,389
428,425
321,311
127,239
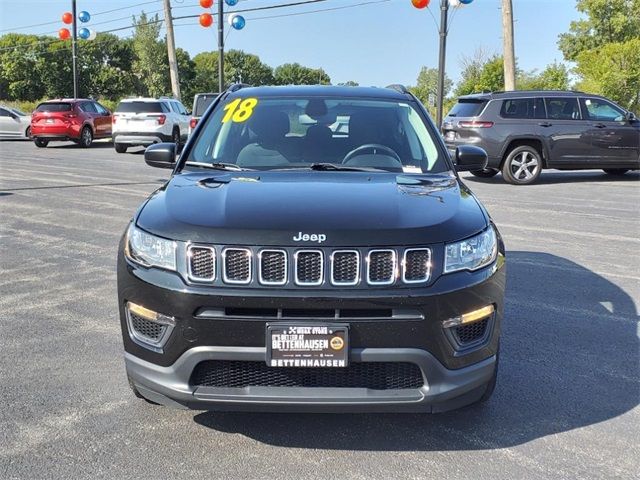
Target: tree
426,88
151,53
607,21
481,74
613,71
554,77
18,62
206,72
246,68
296,74
349,83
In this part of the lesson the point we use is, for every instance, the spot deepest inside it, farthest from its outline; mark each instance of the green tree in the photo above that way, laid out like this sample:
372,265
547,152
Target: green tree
349,83
426,88
607,21
18,62
296,74
612,70
246,68
206,72
554,77
480,74
149,64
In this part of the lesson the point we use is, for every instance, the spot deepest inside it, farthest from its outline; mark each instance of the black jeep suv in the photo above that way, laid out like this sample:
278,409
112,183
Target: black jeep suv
314,250
526,131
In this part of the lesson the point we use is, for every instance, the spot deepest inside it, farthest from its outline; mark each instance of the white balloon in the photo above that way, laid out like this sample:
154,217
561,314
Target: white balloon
455,3
230,18
92,35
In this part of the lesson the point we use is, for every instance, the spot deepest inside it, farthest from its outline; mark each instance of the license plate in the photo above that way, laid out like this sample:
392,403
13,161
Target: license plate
49,120
451,135
297,345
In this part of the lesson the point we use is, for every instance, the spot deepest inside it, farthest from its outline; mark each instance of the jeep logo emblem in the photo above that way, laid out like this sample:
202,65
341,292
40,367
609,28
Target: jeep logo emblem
309,237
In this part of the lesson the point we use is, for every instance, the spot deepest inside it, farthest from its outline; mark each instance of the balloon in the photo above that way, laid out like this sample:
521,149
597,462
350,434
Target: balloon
84,16
231,3
92,35
206,20
64,34
466,2
238,22
67,18
84,33
206,3
420,3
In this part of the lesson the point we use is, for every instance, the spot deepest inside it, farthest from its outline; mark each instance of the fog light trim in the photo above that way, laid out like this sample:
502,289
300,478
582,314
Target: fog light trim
469,317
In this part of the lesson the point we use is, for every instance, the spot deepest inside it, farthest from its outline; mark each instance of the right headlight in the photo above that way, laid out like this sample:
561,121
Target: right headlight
149,250
472,253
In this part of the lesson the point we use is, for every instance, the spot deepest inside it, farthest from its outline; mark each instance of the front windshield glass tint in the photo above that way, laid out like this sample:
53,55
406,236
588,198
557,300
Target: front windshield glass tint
281,133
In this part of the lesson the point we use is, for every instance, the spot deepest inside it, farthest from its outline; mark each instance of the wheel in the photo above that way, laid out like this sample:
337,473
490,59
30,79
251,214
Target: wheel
86,137
40,142
485,173
176,138
615,171
27,133
120,147
137,393
522,165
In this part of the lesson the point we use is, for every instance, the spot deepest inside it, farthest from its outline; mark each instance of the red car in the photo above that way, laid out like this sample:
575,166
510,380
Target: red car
78,120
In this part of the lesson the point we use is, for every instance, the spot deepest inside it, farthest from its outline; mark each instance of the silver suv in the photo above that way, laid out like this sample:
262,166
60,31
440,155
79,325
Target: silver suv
145,121
526,131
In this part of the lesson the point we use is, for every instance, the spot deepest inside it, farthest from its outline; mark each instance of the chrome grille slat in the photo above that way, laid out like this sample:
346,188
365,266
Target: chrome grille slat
416,265
273,267
236,265
345,267
381,267
309,267
201,264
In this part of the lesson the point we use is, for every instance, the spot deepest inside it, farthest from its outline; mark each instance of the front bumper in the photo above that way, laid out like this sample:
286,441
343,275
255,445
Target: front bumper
453,377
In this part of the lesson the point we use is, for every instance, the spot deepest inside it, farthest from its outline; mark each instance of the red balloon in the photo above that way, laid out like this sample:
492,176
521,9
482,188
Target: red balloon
64,34
206,20
206,3
420,3
67,17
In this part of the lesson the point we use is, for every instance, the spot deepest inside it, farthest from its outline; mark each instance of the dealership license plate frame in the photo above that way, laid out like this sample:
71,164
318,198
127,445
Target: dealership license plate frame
333,330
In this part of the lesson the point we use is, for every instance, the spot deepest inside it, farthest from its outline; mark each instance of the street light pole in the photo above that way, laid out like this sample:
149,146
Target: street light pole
74,51
220,46
444,11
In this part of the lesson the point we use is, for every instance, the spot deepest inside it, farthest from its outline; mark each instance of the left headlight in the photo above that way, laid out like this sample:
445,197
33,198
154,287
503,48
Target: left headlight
149,250
472,253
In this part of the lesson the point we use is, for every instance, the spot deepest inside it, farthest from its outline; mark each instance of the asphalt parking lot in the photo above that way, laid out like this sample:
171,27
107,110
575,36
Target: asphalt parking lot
566,405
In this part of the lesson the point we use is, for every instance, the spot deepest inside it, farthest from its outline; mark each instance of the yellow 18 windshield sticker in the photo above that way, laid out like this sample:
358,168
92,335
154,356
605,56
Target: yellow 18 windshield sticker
239,110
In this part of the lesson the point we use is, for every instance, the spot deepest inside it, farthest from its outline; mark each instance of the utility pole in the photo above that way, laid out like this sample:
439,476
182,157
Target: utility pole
444,10
508,47
171,51
220,46
74,48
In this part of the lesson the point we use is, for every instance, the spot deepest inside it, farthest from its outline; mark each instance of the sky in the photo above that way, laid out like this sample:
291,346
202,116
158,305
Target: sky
372,42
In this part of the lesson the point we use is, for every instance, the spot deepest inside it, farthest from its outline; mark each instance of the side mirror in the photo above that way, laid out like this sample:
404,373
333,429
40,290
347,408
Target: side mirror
161,155
630,117
469,157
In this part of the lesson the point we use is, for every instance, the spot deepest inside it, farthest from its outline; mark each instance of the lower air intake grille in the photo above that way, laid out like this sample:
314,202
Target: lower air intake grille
309,267
467,334
146,329
372,375
237,265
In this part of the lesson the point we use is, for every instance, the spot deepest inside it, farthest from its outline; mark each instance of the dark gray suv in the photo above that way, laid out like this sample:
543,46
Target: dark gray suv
526,131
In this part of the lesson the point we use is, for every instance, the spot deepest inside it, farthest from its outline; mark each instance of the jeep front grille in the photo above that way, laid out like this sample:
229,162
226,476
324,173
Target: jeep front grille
236,265
318,267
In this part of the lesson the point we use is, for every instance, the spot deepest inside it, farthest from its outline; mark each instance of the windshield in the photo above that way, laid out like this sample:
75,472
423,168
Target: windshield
283,133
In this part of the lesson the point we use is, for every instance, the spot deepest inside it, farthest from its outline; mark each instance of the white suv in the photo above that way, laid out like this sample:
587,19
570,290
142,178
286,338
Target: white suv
145,121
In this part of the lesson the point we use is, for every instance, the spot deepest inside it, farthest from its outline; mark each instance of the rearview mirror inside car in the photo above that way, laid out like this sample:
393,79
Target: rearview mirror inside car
469,157
161,155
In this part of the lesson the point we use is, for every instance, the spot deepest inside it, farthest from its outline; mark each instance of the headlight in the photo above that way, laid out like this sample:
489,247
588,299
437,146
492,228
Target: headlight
149,250
472,253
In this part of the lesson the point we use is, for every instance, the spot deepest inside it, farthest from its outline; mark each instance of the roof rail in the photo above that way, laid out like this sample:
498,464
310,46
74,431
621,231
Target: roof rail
237,86
398,88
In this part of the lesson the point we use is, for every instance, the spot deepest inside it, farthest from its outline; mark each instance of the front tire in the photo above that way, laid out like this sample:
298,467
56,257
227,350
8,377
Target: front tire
120,147
615,171
86,137
522,165
41,143
176,138
485,173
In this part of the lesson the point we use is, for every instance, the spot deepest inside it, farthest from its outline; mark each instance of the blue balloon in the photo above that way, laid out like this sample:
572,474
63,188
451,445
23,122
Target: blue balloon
84,33
238,22
84,16
466,2
231,3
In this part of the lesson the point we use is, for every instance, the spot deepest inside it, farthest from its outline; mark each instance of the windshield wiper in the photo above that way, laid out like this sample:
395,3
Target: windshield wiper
332,167
217,166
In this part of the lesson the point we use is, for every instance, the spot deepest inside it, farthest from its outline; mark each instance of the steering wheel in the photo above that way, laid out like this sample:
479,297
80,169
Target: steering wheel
373,147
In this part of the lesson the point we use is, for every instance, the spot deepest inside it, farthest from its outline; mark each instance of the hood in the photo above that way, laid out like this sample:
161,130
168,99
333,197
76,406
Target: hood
348,208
